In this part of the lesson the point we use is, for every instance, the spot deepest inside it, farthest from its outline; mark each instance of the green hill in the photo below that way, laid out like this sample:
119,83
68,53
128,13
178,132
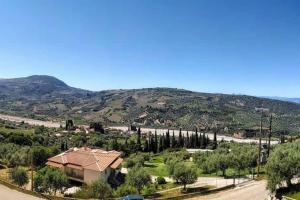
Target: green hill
47,97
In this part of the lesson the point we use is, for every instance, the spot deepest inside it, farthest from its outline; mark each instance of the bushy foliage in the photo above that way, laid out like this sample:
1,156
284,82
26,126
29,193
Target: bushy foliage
19,176
124,190
50,180
283,165
14,155
149,189
138,178
184,174
136,160
101,189
161,180
236,156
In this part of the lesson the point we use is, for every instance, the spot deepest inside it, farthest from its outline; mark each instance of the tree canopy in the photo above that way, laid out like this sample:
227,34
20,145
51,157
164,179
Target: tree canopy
283,164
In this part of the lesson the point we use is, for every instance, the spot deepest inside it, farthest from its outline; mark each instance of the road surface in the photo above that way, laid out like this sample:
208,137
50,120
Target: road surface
9,194
29,121
251,191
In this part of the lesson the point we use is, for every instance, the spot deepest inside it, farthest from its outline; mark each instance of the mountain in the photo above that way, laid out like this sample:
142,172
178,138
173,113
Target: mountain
46,97
293,100
35,85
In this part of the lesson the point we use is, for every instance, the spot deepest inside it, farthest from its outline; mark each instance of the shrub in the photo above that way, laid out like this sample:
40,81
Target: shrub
50,180
149,189
101,190
138,178
161,180
19,176
125,190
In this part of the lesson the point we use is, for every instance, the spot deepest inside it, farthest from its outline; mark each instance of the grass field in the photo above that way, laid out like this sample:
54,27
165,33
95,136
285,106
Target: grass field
294,192
156,166
295,196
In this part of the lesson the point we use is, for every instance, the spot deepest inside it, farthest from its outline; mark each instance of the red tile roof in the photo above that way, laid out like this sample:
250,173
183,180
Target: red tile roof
117,163
86,158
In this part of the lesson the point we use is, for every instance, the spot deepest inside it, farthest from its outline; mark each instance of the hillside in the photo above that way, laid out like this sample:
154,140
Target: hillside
294,100
47,97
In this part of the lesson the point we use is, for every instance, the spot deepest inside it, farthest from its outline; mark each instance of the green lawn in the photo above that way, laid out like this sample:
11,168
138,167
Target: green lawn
294,192
156,169
295,195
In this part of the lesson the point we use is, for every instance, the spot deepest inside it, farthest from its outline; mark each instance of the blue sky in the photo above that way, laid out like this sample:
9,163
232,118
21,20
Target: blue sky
228,46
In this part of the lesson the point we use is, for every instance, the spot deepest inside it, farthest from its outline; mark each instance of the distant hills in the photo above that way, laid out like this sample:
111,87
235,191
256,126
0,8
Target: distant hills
46,97
294,100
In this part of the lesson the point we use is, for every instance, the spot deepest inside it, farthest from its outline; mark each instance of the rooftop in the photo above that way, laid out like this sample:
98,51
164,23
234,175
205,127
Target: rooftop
86,158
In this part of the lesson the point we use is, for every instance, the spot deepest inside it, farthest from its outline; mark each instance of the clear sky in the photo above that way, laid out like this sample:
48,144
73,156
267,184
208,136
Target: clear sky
228,46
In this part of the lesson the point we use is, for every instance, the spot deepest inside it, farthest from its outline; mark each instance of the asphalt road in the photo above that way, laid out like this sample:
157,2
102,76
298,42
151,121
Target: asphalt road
9,194
251,191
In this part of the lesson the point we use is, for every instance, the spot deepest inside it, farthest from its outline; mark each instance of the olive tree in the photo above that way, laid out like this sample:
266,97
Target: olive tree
184,174
100,189
50,180
283,164
138,178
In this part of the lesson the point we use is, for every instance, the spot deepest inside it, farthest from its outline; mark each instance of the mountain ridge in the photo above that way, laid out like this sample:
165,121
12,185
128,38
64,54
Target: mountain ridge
50,98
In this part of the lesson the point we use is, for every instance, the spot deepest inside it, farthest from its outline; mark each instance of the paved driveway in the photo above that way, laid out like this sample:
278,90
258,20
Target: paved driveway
251,191
9,194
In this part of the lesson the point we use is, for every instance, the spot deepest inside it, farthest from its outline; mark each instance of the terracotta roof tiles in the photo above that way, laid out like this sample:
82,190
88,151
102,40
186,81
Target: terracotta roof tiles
86,158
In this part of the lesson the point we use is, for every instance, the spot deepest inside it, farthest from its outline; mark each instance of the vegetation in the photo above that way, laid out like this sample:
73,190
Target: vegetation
228,155
19,176
161,180
184,174
145,155
50,180
100,189
138,178
124,190
161,107
283,165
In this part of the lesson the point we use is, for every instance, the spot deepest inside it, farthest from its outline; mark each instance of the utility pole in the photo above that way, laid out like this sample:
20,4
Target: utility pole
31,163
259,147
270,135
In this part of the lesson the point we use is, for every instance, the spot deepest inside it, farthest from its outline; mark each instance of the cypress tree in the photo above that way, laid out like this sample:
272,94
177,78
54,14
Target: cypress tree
187,140
155,142
69,124
161,144
173,143
203,141
62,145
146,145
138,142
151,143
207,140
167,141
192,140
200,141
180,139
215,143
196,138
